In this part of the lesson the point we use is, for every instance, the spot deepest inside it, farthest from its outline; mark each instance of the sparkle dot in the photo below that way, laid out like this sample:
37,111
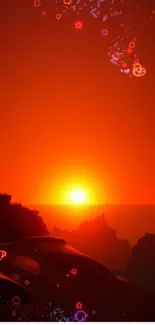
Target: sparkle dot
67,275
79,305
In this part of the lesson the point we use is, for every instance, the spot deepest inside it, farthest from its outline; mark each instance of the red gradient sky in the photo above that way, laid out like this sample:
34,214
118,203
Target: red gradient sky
66,113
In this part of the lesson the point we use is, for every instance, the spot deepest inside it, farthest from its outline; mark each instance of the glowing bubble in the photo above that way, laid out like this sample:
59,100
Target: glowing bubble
104,32
16,277
27,282
137,65
132,45
3,254
129,50
128,27
16,300
80,316
58,16
138,70
37,3
74,271
14,313
79,305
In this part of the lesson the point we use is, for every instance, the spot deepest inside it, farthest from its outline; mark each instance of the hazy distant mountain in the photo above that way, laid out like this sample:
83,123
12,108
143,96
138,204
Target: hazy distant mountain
129,221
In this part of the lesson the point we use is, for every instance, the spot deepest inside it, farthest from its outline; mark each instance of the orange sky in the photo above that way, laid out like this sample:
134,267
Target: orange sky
66,114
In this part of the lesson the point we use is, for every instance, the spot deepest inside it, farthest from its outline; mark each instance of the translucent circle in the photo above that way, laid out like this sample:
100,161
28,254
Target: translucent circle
27,282
37,3
2,254
74,271
132,45
104,32
80,316
16,300
16,277
58,16
13,313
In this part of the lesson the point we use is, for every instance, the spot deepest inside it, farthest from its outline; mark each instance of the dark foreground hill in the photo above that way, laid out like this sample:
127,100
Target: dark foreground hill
56,282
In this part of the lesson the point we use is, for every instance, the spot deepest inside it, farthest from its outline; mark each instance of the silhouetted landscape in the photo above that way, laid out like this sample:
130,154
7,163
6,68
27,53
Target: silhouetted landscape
129,221
94,238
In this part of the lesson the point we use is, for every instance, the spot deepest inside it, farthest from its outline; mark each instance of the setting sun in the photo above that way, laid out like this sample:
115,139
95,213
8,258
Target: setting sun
73,188
77,197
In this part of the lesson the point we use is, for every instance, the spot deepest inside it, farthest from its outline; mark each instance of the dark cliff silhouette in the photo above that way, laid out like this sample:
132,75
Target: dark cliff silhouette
96,239
42,269
141,267
18,222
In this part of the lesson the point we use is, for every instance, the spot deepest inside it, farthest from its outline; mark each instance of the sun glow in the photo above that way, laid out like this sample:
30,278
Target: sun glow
72,188
77,197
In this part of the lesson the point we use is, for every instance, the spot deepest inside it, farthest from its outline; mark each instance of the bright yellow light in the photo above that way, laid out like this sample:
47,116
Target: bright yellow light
73,188
77,197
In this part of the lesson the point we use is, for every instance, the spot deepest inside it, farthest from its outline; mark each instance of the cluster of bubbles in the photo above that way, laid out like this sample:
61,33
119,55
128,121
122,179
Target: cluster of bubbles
50,312
54,314
125,15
